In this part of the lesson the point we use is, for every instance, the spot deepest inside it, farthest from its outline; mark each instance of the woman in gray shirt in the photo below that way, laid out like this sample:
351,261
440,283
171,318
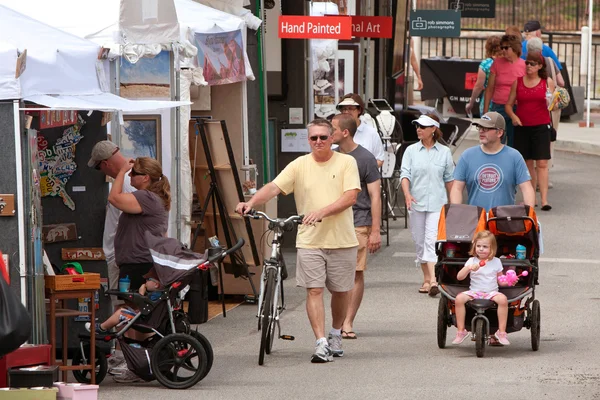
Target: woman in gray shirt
427,176
146,209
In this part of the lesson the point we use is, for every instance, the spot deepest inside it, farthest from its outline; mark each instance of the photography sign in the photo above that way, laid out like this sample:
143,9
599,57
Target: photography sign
474,8
435,23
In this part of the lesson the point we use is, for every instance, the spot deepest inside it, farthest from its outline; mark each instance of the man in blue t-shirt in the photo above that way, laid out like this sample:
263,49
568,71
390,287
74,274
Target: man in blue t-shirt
492,171
534,29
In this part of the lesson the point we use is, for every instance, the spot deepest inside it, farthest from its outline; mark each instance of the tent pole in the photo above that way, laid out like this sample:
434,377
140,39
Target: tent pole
178,145
589,68
20,203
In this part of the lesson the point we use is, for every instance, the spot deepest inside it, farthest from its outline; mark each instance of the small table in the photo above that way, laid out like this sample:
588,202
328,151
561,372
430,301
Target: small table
64,313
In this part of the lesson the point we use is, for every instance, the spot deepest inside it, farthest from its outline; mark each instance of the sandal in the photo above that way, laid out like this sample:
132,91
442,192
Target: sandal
424,288
349,335
433,289
546,207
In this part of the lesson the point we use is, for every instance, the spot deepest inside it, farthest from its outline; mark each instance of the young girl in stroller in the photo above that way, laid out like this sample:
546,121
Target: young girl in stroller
485,269
152,287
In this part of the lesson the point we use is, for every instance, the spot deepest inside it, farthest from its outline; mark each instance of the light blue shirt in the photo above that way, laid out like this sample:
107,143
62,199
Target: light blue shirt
428,173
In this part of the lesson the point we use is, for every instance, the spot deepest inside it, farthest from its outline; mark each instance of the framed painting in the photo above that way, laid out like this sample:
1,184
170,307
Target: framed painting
324,82
141,136
149,78
345,7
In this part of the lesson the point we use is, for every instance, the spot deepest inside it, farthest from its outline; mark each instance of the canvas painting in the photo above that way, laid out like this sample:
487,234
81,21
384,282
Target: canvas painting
149,78
221,56
140,136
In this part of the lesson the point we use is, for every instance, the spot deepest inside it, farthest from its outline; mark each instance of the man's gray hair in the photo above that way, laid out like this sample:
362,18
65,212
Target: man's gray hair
534,45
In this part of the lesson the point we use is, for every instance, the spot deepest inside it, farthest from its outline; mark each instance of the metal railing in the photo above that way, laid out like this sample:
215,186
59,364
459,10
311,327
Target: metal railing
566,46
554,15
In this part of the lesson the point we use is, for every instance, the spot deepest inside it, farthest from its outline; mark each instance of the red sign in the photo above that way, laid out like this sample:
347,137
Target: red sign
301,27
372,27
470,79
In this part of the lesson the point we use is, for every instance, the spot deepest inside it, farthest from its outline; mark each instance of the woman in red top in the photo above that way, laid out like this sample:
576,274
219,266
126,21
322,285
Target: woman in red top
532,121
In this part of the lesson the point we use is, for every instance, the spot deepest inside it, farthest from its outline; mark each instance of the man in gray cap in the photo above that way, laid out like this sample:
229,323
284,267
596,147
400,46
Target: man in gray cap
107,158
534,29
492,171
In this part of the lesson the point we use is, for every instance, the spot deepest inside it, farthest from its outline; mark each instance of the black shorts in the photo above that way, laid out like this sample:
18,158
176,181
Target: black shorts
533,142
136,274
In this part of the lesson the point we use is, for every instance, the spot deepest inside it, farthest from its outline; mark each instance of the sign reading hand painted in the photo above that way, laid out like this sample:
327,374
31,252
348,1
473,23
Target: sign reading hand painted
372,27
301,27
435,23
474,8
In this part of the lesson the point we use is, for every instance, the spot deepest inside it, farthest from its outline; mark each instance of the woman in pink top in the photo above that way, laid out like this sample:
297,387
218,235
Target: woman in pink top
532,121
505,70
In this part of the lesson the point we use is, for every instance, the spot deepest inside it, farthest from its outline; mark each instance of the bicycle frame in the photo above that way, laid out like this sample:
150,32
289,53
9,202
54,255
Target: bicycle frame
272,263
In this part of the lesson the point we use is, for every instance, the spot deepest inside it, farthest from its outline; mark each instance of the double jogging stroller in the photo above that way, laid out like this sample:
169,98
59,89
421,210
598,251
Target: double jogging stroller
512,226
175,355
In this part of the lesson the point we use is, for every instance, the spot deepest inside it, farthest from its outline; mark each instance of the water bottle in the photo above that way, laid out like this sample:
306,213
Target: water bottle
124,284
521,252
549,96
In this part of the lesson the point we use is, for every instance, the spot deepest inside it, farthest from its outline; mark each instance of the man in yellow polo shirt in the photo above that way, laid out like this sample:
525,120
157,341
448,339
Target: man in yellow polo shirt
325,186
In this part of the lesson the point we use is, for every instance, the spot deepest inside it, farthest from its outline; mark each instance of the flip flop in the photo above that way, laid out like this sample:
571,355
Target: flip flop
433,289
424,288
547,207
349,335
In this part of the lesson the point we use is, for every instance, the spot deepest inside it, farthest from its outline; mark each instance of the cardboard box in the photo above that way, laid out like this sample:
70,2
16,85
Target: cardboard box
28,394
76,391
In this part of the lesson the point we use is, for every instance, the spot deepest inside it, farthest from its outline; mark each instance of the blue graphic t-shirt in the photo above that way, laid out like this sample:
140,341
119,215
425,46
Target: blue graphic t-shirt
491,179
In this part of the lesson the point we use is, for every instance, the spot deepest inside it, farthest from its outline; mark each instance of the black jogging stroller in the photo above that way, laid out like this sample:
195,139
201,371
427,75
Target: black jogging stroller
512,226
175,355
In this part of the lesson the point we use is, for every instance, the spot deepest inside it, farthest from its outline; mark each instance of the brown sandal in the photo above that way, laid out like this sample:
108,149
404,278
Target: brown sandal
433,289
424,288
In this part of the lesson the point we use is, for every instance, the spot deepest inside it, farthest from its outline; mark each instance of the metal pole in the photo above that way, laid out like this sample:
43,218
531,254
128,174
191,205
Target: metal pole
266,135
589,75
310,111
20,202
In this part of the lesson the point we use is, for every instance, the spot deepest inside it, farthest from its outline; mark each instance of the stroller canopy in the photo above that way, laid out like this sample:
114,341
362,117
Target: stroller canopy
460,222
173,261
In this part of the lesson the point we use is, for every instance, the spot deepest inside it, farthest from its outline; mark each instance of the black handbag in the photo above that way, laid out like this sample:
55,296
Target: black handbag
15,322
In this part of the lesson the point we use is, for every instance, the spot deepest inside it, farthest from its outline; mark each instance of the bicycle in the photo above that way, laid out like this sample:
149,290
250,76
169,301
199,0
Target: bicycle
270,303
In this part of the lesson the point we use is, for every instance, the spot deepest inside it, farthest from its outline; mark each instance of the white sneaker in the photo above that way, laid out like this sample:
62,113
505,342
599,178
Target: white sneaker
118,369
127,377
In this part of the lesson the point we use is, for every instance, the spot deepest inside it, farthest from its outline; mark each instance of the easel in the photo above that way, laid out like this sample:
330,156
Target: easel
214,196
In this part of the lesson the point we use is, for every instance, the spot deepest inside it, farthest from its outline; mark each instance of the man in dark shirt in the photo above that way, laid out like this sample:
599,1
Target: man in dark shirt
367,210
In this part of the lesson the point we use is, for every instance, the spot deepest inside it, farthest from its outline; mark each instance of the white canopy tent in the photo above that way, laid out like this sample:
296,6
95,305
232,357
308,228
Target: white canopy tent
61,72
99,22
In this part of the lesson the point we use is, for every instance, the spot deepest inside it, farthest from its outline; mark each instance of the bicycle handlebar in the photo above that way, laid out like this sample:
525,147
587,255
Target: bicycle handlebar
286,224
228,251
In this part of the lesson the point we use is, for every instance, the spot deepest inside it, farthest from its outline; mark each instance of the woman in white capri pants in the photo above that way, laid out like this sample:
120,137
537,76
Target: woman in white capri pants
427,176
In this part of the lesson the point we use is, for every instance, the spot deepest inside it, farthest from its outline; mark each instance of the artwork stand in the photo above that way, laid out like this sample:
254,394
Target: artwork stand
215,203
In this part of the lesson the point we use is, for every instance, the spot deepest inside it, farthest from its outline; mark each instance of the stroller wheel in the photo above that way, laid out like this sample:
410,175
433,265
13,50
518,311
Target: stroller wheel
84,376
207,348
535,325
442,322
480,338
178,361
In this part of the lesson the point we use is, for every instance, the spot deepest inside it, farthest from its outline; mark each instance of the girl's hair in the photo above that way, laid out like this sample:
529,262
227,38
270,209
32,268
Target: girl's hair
484,235
492,46
437,134
159,183
538,58
514,42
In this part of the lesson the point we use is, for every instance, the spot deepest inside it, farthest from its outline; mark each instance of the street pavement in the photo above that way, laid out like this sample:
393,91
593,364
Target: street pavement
396,355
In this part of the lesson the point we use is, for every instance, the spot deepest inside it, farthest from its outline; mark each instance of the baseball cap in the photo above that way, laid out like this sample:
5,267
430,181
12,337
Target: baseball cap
102,151
532,26
492,120
424,120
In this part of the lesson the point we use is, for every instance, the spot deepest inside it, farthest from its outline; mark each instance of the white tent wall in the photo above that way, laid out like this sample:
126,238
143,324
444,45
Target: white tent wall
9,85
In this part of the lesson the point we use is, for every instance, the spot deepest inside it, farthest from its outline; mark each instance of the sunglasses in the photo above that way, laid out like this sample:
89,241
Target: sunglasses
322,137
531,63
348,109
97,167
505,47
135,173
419,126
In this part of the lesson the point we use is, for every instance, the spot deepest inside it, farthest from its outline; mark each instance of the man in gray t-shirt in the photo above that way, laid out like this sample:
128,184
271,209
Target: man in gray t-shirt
367,210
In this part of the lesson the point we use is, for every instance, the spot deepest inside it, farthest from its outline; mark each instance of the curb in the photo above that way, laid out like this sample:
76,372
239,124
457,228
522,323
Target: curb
577,147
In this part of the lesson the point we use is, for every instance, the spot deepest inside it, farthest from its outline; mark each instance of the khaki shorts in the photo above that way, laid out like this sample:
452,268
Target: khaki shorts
362,234
331,268
113,282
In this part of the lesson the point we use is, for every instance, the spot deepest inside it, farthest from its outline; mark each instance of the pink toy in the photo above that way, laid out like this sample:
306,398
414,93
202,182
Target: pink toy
481,263
511,278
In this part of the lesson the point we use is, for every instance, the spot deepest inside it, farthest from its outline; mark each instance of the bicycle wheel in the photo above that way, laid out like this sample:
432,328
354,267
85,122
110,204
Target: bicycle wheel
273,322
266,317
